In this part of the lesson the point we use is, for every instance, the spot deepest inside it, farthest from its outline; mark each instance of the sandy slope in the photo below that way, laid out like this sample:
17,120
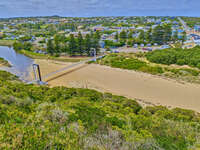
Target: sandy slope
131,84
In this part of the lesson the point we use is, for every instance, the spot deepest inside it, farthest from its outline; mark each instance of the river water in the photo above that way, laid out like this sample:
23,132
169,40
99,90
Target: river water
21,64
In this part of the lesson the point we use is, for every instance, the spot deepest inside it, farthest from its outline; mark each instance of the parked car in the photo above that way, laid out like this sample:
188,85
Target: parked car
135,46
147,49
165,46
115,51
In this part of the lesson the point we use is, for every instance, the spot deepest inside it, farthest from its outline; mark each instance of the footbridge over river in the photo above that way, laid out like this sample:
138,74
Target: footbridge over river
39,79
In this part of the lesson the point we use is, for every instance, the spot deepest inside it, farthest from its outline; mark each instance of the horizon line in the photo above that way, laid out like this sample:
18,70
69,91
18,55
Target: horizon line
60,16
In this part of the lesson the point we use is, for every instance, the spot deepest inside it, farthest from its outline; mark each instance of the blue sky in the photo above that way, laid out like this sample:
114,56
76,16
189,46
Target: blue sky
84,8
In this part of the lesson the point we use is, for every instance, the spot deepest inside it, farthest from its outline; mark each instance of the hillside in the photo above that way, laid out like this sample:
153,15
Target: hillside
38,117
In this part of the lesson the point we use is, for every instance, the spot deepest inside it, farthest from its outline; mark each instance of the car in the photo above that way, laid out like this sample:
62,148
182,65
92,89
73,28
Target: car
147,49
165,46
135,46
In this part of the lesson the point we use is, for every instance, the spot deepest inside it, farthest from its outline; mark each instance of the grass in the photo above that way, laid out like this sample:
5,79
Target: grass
4,62
6,42
43,56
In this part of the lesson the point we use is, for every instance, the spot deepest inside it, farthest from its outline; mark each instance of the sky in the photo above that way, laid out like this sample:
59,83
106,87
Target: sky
89,8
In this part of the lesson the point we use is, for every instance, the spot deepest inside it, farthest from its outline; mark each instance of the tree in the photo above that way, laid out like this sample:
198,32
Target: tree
167,33
158,34
18,46
130,42
27,46
80,43
96,45
142,35
123,35
184,37
117,36
148,35
87,44
130,35
25,38
72,45
95,41
50,47
97,35
57,43
175,36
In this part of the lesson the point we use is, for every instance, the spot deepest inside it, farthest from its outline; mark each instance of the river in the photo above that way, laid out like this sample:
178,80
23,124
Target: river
20,64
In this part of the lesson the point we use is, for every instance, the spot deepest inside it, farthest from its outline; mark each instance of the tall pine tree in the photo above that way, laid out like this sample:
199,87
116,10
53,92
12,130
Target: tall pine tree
88,44
72,45
80,43
50,47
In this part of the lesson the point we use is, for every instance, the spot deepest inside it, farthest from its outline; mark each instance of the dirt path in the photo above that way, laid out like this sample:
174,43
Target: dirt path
131,84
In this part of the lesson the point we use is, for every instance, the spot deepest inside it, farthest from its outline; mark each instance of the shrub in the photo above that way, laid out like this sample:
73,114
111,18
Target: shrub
39,117
189,57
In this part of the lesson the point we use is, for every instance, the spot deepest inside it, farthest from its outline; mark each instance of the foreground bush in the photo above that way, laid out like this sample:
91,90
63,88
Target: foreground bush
37,117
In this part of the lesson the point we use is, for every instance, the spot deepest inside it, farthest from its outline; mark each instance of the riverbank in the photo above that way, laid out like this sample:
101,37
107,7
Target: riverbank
146,88
48,57
8,43
4,62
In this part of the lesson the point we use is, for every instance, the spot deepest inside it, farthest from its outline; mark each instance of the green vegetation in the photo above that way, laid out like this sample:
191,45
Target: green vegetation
128,62
74,45
110,43
22,46
6,42
4,62
38,117
177,56
43,56
139,63
191,21
161,34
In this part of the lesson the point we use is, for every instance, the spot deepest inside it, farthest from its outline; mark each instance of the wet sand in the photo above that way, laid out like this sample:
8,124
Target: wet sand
150,89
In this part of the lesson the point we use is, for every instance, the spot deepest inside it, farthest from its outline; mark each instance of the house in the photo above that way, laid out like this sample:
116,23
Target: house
102,44
197,28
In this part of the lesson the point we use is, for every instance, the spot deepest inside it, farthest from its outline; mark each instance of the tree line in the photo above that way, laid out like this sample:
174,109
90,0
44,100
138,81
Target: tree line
74,45
177,56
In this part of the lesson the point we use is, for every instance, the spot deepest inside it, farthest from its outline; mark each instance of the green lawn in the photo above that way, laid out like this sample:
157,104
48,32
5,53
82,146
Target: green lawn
6,42
43,56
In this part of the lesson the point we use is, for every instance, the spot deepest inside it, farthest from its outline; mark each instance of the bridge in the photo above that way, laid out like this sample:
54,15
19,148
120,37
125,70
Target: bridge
39,79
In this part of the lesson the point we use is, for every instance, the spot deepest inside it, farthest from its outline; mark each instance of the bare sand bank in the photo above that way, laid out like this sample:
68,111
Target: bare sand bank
151,89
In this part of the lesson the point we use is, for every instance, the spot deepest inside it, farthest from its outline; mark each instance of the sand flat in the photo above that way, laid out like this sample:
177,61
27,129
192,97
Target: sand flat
151,89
